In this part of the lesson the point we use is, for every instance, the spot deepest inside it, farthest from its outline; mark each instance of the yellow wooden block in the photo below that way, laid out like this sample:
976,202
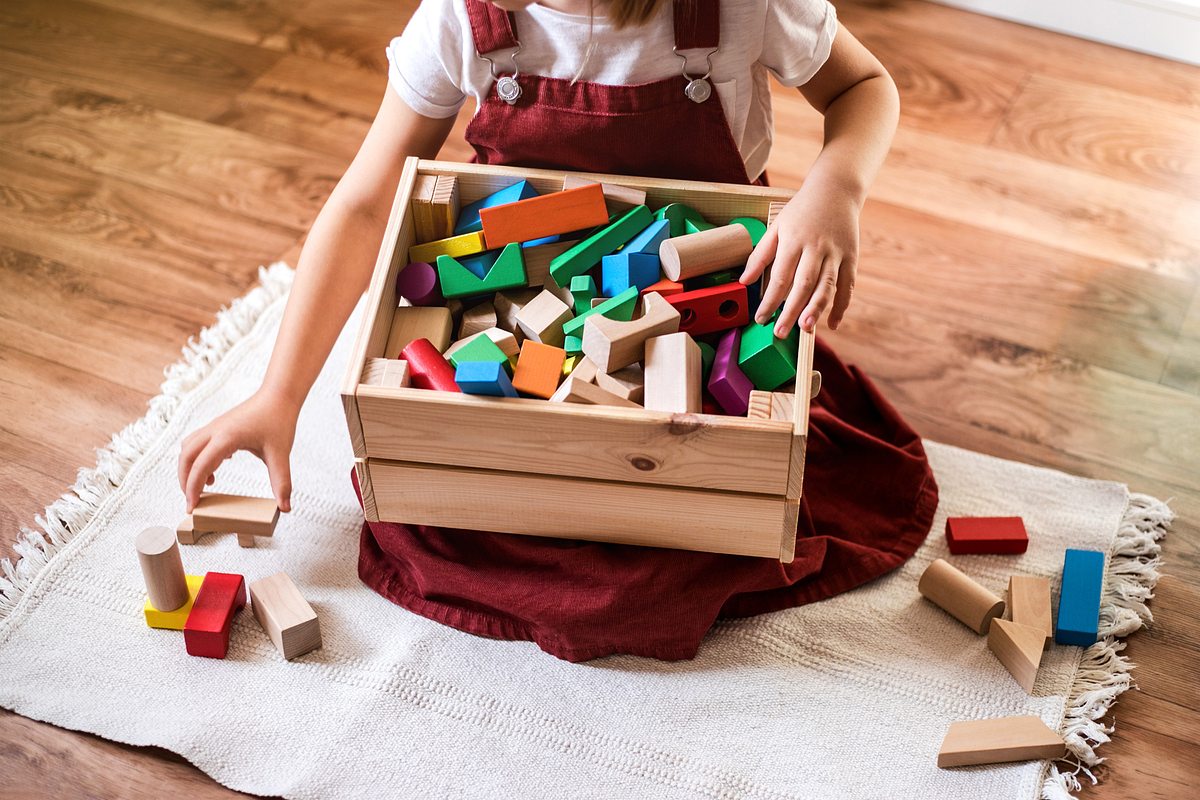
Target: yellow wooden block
176,619
569,365
456,246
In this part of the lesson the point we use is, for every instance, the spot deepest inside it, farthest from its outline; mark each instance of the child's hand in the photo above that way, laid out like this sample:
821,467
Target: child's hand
814,246
262,425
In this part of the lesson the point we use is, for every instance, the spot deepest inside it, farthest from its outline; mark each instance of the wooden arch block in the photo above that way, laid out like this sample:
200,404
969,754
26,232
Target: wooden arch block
612,344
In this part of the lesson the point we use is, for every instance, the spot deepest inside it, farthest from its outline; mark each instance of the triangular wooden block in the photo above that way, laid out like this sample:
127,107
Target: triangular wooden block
994,741
1019,649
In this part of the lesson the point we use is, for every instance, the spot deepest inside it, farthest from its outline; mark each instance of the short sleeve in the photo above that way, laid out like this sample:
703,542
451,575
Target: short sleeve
425,62
797,39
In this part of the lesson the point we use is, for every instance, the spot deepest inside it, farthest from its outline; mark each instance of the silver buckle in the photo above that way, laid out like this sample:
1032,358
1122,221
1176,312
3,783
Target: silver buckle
698,89
507,87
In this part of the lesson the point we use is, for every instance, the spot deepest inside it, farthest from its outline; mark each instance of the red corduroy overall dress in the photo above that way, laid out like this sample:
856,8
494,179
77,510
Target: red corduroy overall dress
869,494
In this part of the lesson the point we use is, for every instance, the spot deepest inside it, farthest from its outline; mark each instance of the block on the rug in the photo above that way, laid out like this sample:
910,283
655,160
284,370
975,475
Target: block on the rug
1018,648
986,535
286,617
1079,598
162,568
173,620
994,741
206,632
959,596
1029,603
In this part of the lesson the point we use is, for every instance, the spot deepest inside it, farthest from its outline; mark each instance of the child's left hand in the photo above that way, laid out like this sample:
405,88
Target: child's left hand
814,247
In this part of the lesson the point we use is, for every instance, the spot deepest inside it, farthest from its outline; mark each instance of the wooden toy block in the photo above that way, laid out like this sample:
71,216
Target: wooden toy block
677,216
708,354
1018,648
717,308
773,212
650,239
506,272
664,287
771,405
206,632
538,369
388,372
186,533
583,291
550,214
768,361
418,284
434,206
712,279
477,319
500,337
286,617
959,596
585,370
573,345
250,516
695,254
727,384
628,270
1029,604
176,619
628,383
427,368
419,322
569,365
978,535
612,344
508,304
542,319
620,308
421,207
755,227
162,568
454,246
758,405
618,198
446,203
1079,598
587,254
478,348
468,217
480,263
995,741
695,226
672,370
537,264
574,390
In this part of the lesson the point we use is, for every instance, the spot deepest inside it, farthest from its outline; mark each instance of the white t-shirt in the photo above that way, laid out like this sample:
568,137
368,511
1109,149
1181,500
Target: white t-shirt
434,67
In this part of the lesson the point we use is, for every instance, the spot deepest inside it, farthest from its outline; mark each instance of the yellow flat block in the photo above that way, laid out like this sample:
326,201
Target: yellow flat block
456,246
569,365
176,619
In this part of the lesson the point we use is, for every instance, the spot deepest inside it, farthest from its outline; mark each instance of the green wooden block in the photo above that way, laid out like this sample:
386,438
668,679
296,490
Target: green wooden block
697,225
768,362
583,289
678,215
481,348
587,254
713,279
708,354
573,345
507,272
619,307
755,227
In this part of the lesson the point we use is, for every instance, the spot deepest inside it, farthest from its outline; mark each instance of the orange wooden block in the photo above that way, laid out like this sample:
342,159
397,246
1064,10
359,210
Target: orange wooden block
547,215
538,369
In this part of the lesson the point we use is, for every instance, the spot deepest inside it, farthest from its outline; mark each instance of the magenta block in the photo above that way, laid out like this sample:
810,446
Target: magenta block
419,283
728,385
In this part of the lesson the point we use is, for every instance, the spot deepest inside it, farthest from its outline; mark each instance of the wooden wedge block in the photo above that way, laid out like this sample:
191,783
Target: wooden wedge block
176,619
577,391
672,369
389,372
539,369
508,304
162,568
585,370
253,516
286,617
707,251
1018,648
1079,598
1029,603
543,317
455,247
206,632
539,217
612,344
982,535
617,197
434,323
994,741
959,596
427,368
628,383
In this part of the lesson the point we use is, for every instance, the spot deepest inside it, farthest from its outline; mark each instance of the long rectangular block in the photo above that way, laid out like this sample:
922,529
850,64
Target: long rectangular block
233,513
672,371
1029,603
206,632
1079,598
714,308
454,246
982,535
468,218
538,217
587,254
618,198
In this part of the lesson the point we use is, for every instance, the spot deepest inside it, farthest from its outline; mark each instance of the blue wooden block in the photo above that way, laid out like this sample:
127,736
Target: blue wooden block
479,264
543,240
468,216
1079,598
623,270
650,238
485,378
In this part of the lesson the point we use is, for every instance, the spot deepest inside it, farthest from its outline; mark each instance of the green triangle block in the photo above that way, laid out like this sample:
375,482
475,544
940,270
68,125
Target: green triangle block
769,362
587,254
678,214
697,225
619,307
507,272
481,348
755,227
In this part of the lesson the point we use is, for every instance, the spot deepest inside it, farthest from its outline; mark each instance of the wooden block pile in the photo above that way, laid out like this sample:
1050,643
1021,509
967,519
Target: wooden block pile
582,295
1018,641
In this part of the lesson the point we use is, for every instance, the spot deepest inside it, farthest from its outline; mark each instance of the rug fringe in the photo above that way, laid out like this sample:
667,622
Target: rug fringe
66,517
1103,672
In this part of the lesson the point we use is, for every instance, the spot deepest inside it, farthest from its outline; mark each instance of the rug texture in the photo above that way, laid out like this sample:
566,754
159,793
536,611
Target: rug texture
847,698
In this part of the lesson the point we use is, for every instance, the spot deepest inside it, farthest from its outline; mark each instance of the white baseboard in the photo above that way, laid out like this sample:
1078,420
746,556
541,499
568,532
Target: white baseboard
1168,28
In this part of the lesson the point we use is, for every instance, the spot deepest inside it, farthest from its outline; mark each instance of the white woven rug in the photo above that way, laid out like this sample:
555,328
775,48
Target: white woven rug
846,698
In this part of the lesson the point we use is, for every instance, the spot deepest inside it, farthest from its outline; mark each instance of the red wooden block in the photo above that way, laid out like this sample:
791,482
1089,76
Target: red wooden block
206,632
664,287
427,368
717,308
977,535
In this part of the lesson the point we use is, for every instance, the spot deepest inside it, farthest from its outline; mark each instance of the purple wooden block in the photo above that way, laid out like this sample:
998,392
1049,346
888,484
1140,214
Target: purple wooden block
419,283
727,384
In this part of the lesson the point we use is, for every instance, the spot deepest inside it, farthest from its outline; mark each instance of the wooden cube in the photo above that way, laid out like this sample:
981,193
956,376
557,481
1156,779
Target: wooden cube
286,617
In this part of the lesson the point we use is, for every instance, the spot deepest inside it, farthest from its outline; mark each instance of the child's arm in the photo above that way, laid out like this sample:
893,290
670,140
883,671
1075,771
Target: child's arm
334,270
814,243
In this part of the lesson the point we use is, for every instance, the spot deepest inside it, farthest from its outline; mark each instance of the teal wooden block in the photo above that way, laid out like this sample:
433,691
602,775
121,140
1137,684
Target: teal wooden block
620,307
678,214
1079,598
755,227
620,271
507,272
583,290
767,360
481,348
587,254
484,378
468,216
573,345
708,354
478,265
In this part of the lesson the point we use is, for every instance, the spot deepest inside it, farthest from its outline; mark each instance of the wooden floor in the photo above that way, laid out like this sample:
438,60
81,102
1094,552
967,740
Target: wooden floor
1028,289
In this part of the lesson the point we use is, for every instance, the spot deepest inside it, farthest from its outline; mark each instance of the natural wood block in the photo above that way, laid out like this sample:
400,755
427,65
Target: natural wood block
771,405
286,617
574,390
538,369
982,535
620,307
1029,603
1018,648
176,619
255,516
672,371
628,383
427,368
699,253
162,568
547,215
476,320
422,209
959,596
445,206
390,372
1079,598
206,632
508,304
617,197
994,741
455,247
612,344
186,533
585,370
542,319
418,322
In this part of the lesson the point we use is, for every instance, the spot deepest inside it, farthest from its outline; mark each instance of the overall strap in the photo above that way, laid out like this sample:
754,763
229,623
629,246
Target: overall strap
492,28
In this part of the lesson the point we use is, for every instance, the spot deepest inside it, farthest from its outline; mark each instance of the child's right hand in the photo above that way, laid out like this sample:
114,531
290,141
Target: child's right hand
262,425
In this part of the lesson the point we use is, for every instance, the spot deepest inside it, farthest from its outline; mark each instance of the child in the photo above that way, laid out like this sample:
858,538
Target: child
640,87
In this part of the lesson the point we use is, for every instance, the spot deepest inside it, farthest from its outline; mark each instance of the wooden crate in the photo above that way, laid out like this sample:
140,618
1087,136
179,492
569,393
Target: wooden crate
693,481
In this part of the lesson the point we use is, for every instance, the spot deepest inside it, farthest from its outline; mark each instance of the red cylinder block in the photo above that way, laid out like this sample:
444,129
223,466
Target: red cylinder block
427,368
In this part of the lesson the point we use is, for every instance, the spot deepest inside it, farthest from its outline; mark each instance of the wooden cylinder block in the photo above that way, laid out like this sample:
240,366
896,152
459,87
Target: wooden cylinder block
708,251
959,596
162,568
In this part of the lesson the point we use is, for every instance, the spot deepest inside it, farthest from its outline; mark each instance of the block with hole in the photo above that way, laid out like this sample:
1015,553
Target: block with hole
612,344
717,308
468,218
487,378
